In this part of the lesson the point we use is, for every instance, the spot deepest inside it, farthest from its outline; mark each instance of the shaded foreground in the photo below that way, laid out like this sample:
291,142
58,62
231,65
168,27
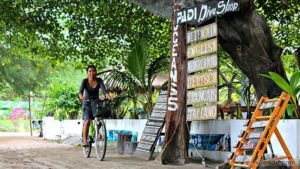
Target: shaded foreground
35,153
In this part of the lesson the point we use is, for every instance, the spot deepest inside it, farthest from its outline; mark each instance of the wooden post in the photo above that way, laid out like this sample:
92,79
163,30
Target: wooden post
29,108
175,148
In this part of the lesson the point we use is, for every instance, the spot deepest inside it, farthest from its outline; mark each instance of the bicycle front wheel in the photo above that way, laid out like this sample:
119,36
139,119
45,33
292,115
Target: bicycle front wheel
100,140
87,150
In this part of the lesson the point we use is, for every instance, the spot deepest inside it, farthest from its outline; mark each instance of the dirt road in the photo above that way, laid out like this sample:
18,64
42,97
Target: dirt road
23,152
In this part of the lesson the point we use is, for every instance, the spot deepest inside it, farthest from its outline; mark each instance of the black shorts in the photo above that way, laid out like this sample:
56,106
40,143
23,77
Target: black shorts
89,108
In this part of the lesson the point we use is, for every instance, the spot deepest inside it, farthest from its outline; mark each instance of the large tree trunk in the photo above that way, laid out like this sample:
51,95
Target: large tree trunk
246,36
175,148
297,55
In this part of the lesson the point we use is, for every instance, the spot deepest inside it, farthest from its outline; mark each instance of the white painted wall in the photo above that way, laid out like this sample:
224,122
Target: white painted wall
290,130
55,130
210,127
51,128
127,124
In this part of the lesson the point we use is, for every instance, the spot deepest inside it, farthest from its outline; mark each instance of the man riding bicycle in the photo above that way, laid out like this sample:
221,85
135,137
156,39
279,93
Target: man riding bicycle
90,100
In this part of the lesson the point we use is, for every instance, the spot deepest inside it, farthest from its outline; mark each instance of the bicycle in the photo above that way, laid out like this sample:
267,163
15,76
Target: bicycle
99,137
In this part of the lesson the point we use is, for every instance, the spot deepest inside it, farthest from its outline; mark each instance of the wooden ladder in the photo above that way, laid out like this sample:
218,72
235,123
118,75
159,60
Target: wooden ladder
254,140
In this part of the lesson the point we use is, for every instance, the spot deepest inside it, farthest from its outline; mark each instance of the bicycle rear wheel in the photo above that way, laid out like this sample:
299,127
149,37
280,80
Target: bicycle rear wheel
100,140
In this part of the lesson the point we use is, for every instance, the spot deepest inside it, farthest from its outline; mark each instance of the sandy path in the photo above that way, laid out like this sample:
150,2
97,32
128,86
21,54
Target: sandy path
23,152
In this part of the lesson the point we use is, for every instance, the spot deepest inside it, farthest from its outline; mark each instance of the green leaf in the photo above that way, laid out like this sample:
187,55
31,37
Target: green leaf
281,82
295,81
268,76
136,61
290,110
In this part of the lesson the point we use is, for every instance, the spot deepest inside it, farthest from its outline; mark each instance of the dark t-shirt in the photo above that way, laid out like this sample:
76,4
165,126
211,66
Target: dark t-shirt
90,92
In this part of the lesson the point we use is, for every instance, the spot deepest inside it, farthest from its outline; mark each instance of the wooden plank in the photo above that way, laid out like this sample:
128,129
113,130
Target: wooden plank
203,113
160,106
202,48
162,99
242,158
157,119
208,95
145,146
258,124
158,115
204,32
267,105
203,79
254,135
202,63
155,123
151,130
148,138
249,146
163,92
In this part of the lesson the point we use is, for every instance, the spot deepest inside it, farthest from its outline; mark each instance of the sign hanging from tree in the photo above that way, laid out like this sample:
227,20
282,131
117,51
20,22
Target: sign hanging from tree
205,11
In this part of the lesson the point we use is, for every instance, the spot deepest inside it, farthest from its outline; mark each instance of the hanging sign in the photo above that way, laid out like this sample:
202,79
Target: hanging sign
204,11
201,80
202,48
202,96
202,63
202,113
203,32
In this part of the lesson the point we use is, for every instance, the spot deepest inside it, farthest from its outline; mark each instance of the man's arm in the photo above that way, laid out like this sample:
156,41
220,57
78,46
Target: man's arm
103,88
81,90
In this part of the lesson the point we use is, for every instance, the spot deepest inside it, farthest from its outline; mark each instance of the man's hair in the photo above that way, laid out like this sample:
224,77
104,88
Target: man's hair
90,66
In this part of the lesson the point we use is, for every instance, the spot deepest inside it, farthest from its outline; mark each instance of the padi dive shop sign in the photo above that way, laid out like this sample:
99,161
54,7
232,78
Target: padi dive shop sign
206,10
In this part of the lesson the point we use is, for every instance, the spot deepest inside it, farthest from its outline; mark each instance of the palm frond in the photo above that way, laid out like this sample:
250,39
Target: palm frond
157,66
137,60
118,79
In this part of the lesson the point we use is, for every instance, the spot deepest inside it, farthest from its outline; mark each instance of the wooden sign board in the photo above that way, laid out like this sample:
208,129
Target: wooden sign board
145,146
254,135
204,11
267,105
242,158
202,113
154,123
162,99
158,115
258,124
202,48
160,107
203,32
202,63
208,95
153,128
148,138
249,146
201,80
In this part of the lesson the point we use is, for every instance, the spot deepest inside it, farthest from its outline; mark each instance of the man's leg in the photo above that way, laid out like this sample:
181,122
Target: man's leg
85,130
